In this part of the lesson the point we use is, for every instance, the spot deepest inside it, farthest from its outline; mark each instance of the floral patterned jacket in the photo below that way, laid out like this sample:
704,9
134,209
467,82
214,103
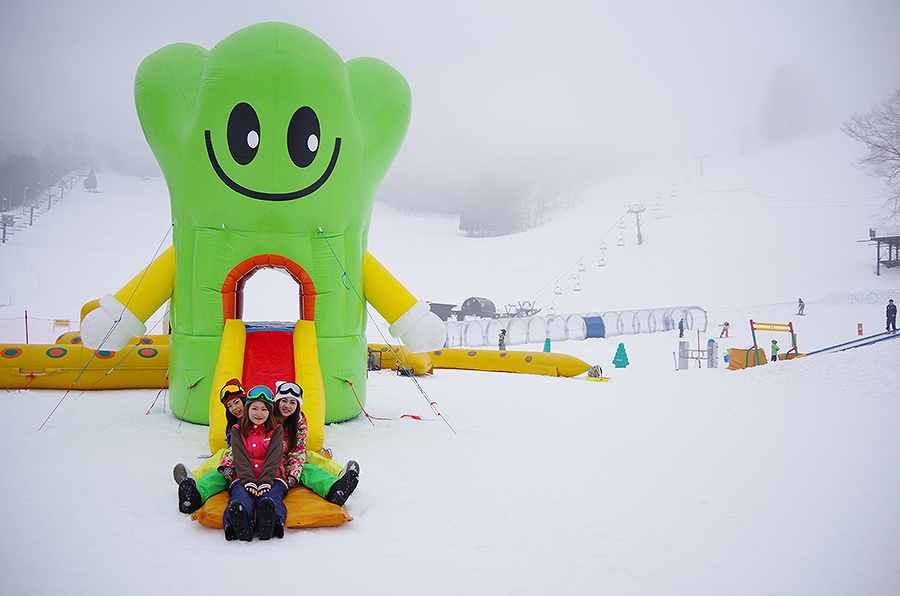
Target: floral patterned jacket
294,460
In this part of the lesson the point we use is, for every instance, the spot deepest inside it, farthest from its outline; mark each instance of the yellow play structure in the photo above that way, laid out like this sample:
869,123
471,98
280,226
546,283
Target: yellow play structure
756,356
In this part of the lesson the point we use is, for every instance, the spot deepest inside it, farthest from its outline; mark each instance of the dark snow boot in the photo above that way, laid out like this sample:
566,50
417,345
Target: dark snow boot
343,487
189,499
240,526
267,520
180,472
350,466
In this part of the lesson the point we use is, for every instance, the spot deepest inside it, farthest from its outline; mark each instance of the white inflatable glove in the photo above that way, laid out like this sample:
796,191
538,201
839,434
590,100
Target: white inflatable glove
419,329
111,319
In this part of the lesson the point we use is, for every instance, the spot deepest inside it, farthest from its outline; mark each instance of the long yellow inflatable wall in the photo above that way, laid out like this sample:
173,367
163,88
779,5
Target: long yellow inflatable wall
534,363
69,365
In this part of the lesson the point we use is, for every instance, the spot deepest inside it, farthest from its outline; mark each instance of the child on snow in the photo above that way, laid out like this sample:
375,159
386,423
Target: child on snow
775,350
288,401
725,327
258,482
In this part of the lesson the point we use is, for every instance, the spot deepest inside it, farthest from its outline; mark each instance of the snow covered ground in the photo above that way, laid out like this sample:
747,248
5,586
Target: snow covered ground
782,479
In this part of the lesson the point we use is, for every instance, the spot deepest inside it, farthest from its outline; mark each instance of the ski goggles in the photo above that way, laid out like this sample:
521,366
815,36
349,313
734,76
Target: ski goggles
289,389
231,390
261,392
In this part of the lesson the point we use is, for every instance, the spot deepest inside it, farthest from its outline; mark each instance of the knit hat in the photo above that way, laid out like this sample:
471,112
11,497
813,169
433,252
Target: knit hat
231,389
285,389
261,393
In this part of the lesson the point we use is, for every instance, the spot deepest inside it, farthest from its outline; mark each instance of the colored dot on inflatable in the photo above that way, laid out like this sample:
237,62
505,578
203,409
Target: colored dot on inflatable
527,358
146,341
12,352
147,352
472,352
104,354
503,354
76,339
57,352
438,352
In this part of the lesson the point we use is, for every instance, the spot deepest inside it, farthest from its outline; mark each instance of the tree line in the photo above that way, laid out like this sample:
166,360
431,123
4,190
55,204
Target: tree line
24,176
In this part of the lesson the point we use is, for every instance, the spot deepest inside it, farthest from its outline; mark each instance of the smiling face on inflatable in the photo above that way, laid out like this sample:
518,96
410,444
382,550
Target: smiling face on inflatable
272,148
271,115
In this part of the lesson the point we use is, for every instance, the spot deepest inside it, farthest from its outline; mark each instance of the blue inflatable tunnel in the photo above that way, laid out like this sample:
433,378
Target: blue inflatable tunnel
595,327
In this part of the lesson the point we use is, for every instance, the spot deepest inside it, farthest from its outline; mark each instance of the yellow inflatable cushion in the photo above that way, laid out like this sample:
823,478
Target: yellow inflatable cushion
305,509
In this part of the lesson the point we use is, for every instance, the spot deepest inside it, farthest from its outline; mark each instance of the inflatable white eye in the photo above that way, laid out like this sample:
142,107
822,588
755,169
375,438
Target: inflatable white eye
312,142
253,139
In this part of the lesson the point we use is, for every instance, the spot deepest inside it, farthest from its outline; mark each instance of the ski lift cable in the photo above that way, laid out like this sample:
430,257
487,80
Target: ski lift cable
550,285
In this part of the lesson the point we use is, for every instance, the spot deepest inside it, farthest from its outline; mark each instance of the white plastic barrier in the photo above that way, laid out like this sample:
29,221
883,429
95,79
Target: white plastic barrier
476,333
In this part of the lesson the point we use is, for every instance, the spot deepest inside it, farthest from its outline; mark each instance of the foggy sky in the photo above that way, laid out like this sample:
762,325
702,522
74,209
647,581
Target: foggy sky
492,82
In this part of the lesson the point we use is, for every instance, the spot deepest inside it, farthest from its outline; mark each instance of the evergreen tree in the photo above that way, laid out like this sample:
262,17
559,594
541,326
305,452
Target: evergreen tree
620,360
20,179
90,183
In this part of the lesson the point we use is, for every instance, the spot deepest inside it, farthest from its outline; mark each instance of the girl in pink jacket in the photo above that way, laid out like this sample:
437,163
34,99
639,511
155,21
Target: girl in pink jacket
257,480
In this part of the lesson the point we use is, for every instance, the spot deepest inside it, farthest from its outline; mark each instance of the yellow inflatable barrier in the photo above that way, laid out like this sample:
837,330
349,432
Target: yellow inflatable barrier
69,365
533,363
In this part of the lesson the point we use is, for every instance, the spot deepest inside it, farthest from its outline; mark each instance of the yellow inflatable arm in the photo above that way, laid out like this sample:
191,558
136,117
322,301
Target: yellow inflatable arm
412,321
151,287
112,321
384,291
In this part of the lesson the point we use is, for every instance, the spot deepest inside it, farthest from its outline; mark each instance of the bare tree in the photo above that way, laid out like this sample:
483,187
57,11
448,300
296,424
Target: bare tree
879,131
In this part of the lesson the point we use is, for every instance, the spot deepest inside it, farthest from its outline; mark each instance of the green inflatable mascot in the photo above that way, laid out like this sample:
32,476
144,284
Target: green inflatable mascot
272,148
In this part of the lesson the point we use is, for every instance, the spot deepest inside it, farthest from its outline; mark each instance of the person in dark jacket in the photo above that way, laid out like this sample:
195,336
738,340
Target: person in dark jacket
891,313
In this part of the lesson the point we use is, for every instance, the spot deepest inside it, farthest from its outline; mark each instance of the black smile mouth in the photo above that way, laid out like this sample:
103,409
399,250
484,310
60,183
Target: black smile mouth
271,196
